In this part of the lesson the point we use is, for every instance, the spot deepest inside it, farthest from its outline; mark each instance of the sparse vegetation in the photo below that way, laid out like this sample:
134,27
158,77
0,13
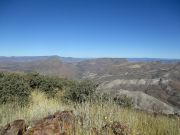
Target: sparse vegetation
94,115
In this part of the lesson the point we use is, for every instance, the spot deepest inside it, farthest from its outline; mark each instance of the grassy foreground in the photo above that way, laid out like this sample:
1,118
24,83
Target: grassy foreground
94,115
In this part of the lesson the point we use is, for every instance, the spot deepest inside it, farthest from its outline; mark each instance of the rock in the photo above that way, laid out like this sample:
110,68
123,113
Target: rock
17,127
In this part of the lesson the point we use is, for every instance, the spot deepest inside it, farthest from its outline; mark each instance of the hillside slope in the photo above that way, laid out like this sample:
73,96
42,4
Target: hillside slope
158,79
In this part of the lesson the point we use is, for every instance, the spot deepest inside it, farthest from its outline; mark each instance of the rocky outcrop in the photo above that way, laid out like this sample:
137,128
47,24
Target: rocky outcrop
165,90
60,123
145,102
130,82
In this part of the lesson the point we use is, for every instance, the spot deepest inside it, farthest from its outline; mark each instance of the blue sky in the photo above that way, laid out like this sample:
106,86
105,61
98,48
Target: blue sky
90,28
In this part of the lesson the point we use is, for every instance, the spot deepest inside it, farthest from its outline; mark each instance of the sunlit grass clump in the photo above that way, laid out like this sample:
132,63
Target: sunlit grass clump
94,115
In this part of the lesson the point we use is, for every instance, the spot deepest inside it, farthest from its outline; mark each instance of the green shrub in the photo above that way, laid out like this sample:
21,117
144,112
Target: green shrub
16,86
123,100
49,85
81,91
13,87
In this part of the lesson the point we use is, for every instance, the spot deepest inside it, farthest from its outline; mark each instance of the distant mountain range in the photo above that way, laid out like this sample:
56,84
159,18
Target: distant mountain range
153,60
153,81
72,59
37,58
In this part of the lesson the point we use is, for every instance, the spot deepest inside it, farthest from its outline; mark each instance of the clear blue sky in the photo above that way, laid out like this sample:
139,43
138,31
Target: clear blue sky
90,28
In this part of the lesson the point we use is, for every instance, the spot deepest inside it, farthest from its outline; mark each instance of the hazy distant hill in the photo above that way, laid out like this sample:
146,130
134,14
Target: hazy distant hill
50,65
159,78
38,58
153,60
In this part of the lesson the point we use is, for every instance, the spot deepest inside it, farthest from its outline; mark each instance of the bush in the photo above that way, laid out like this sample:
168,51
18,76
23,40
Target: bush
124,101
18,87
49,85
13,87
81,91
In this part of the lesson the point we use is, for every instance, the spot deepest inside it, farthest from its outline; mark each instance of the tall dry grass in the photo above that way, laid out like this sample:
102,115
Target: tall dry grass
94,115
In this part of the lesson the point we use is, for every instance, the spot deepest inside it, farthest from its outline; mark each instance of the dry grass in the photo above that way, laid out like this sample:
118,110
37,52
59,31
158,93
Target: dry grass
94,115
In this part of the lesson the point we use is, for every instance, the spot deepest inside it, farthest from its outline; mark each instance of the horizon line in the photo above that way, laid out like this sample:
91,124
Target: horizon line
89,57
